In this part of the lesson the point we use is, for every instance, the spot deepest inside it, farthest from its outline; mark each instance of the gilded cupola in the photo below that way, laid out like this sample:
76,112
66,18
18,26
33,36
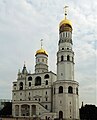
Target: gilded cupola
41,51
65,24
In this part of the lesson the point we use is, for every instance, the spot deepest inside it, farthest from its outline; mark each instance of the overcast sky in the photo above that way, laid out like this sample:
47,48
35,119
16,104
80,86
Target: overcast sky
24,22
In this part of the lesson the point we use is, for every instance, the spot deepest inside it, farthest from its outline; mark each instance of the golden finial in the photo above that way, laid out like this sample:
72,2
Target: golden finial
41,43
65,10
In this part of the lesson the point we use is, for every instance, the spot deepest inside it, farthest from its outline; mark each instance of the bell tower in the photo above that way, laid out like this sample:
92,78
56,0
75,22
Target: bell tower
66,96
65,54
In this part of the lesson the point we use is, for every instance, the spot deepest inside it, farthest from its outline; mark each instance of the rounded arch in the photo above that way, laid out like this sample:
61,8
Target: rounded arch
17,110
25,110
29,78
46,76
60,115
21,86
33,110
37,81
60,89
70,89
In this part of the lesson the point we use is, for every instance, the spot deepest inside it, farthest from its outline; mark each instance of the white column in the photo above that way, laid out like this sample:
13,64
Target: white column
19,110
30,111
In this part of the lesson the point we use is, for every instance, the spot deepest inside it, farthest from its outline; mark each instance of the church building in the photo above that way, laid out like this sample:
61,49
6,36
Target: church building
44,94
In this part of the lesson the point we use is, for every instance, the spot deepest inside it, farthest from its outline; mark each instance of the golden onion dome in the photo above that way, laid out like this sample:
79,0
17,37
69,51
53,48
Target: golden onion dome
65,22
41,51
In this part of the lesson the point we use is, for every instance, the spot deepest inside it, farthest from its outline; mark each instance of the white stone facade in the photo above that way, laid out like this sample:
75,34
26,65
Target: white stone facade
35,96
44,94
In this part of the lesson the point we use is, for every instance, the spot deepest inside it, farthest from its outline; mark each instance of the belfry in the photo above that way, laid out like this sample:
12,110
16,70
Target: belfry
66,98
45,95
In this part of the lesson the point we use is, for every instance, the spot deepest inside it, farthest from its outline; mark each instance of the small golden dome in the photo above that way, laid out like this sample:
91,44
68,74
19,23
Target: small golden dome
41,51
65,21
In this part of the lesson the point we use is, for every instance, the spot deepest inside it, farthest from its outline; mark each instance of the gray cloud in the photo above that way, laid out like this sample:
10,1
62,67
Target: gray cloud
24,22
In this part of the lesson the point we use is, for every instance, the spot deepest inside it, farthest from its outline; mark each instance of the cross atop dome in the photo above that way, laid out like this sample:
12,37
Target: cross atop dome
65,10
41,43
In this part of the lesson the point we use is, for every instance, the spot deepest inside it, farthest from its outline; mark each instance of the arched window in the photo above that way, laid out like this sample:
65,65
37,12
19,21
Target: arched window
29,84
68,58
25,110
34,110
46,107
37,81
17,110
60,115
21,85
29,78
77,91
46,82
60,89
46,76
70,89
62,58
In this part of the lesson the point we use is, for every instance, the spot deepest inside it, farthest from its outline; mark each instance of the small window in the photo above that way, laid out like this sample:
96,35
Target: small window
29,78
46,82
46,99
77,91
46,106
15,84
61,74
68,58
60,89
62,48
37,81
29,93
62,58
46,76
21,85
70,89
46,118
29,84
46,92
60,115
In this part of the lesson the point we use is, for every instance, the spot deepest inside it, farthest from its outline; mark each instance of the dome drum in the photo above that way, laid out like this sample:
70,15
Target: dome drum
65,25
65,28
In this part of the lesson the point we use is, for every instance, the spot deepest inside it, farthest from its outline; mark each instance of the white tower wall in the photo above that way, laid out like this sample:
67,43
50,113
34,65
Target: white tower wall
65,95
